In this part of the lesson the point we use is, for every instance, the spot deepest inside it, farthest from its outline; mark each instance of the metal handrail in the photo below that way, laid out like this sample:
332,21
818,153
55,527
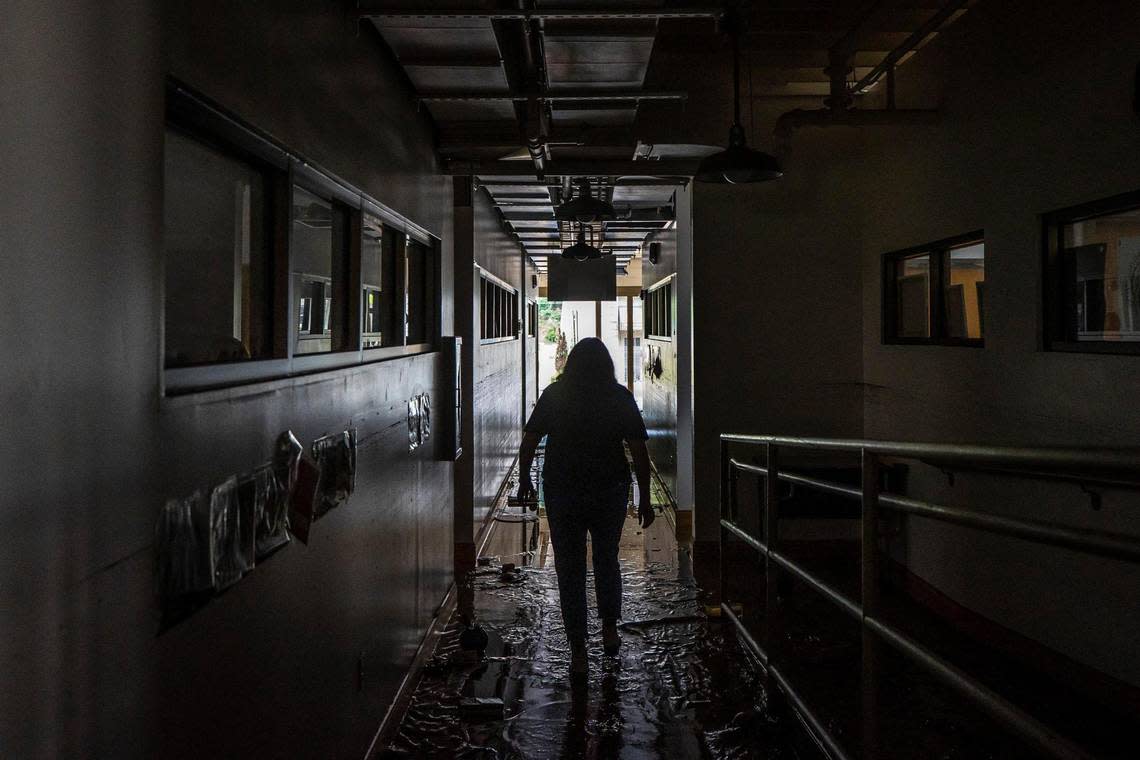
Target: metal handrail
1113,545
1094,459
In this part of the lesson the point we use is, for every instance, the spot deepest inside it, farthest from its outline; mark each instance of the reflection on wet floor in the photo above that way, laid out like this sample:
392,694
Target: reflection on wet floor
680,688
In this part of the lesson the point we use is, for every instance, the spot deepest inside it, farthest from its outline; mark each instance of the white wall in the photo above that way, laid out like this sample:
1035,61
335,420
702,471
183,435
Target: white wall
1037,115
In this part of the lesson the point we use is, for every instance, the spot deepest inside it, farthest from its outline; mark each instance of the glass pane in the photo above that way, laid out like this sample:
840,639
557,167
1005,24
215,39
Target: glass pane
218,298
1101,270
420,293
372,280
912,296
965,291
488,310
313,288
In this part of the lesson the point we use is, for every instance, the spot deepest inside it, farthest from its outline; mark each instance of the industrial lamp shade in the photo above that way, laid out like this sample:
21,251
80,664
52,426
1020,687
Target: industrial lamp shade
738,164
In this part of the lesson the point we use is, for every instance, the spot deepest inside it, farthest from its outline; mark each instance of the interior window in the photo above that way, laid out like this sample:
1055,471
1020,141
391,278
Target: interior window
218,284
372,281
935,294
912,296
1100,267
320,267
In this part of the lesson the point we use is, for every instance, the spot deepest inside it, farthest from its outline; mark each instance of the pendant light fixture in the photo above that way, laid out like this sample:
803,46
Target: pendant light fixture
581,250
584,207
737,164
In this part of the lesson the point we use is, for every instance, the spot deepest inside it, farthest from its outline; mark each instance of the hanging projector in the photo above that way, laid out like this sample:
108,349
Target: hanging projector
584,207
581,250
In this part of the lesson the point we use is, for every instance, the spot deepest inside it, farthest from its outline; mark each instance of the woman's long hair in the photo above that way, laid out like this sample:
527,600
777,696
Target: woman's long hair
589,364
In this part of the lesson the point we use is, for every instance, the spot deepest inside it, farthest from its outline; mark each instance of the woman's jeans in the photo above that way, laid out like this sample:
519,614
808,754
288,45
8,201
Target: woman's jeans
572,512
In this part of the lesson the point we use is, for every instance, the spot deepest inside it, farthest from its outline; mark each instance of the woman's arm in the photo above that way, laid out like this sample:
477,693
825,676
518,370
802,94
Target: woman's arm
526,458
640,455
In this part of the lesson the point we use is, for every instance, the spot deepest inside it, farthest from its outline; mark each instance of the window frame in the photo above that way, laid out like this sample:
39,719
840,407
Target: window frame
342,201
198,118
1053,334
498,309
531,319
657,310
938,279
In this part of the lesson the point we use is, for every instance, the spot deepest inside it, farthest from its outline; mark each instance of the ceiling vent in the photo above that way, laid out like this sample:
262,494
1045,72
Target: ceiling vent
584,207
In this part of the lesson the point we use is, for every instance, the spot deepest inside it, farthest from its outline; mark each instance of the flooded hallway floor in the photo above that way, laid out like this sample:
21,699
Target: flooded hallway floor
681,686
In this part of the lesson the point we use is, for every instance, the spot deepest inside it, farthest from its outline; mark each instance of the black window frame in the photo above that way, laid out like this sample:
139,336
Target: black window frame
657,311
1054,335
937,281
498,310
195,116
347,239
532,319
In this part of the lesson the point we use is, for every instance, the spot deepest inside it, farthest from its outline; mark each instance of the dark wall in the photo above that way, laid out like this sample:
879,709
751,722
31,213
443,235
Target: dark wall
1033,119
777,318
300,658
497,366
659,392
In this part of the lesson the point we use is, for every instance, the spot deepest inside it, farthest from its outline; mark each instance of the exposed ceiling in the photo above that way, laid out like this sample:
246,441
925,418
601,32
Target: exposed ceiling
527,100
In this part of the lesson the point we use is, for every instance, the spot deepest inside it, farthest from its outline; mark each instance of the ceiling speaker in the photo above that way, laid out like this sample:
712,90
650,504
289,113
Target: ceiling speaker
654,252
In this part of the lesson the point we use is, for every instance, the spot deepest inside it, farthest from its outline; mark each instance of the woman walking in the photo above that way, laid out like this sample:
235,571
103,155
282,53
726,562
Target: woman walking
587,415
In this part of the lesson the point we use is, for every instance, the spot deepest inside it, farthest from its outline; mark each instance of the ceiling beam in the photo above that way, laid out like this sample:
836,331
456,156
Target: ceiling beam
492,179
667,168
472,135
380,13
554,97
634,215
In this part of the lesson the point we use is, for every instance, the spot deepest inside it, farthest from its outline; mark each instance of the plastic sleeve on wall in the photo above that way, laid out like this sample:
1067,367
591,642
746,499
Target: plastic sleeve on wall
335,455
182,548
270,511
425,418
413,423
286,458
231,556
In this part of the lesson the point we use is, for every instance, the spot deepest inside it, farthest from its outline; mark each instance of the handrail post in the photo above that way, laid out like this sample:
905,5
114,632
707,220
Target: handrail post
724,514
870,597
771,519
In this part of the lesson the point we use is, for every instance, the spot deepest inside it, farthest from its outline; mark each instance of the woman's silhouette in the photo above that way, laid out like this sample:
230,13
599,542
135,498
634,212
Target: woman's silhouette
586,415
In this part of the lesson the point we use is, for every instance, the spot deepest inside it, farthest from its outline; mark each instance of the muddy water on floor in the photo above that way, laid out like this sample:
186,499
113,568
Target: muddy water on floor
680,688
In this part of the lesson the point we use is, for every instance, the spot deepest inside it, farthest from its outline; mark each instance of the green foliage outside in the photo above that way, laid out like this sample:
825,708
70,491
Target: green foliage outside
549,318
560,354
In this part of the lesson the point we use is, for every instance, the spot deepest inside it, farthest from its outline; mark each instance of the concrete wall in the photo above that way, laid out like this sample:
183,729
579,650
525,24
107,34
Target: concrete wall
777,313
497,366
301,657
1036,117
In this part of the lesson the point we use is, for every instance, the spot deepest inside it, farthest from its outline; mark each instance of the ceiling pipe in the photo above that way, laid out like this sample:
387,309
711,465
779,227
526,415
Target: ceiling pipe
838,111
537,126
